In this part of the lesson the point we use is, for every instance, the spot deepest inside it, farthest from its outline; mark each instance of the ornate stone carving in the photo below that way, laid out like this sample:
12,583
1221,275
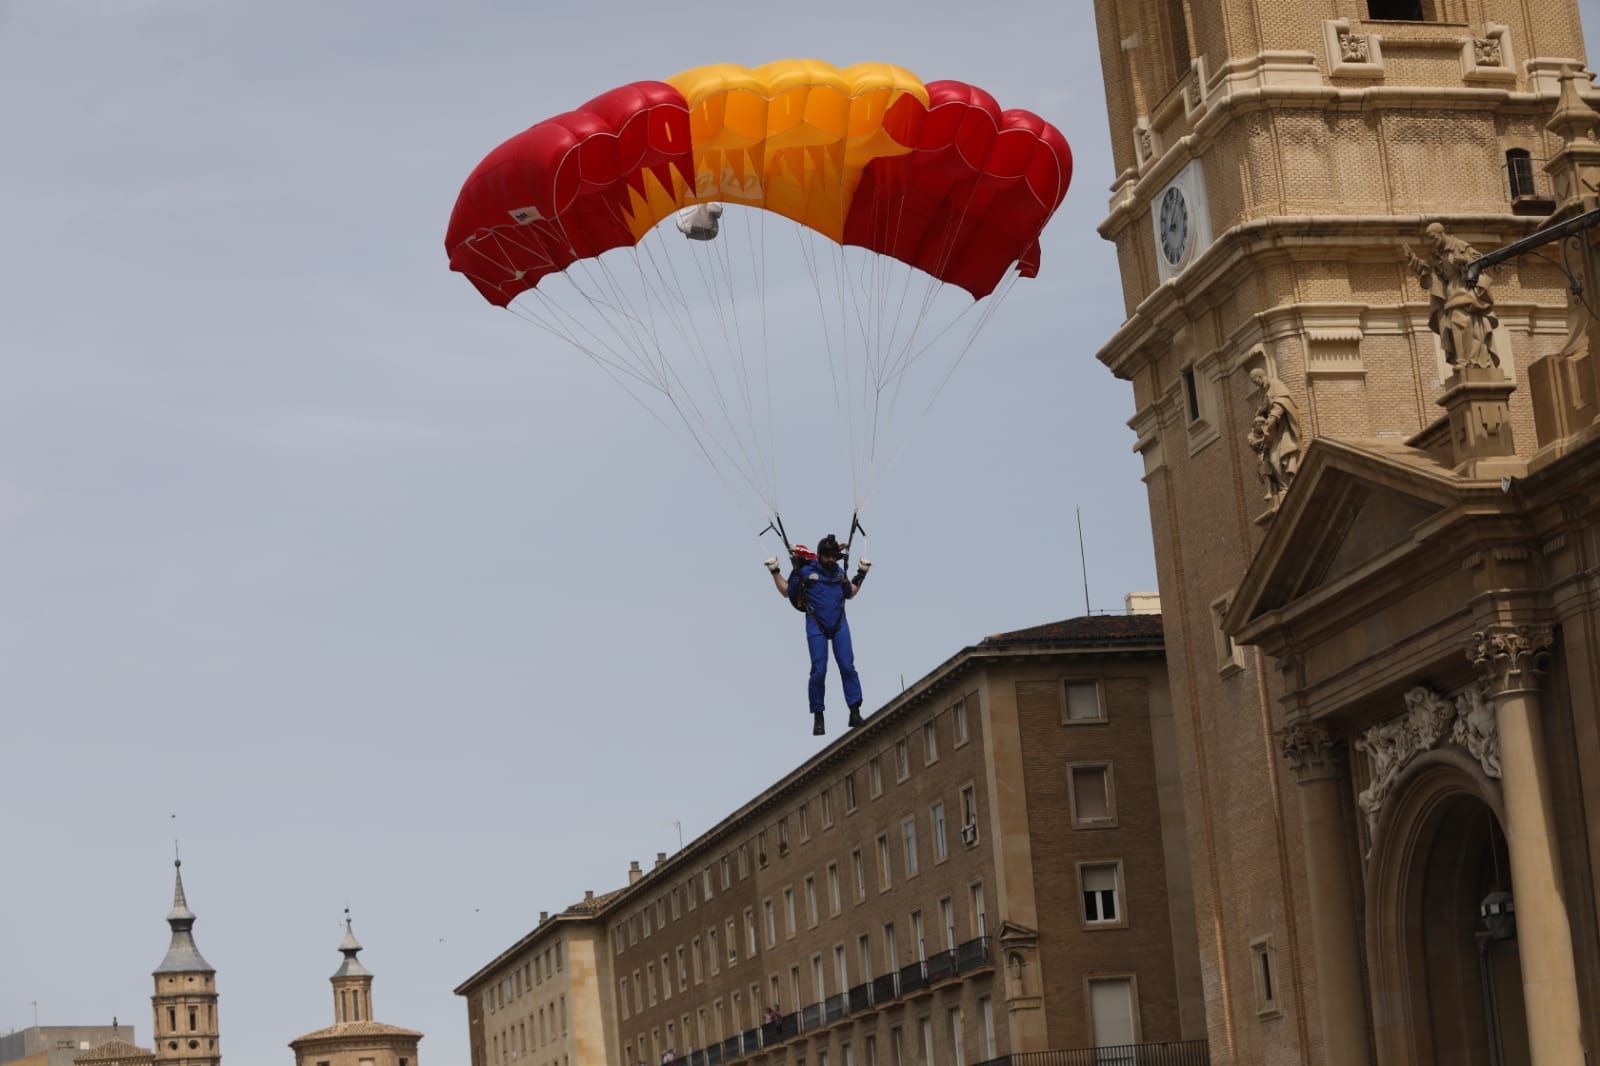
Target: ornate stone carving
1462,314
1313,753
1353,47
1431,719
1275,435
1487,51
1511,658
1146,142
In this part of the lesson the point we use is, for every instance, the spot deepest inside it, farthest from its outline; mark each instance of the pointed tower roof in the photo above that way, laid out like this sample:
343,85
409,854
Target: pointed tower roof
350,947
182,955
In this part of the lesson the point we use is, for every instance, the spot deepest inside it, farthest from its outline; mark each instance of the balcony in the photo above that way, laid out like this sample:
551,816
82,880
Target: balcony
1175,1053
967,958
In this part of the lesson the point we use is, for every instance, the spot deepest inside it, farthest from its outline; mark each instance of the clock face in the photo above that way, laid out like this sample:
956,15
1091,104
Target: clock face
1174,228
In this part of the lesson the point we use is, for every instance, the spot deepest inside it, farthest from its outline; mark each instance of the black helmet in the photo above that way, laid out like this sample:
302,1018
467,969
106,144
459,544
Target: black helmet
829,546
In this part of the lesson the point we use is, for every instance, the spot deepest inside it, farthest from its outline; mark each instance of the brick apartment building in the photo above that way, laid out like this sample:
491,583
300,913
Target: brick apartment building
995,862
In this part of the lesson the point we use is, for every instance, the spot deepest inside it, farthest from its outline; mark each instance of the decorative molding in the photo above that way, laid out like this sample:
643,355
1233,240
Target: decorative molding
1313,753
1488,58
1350,54
1511,658
1431,719
1144,141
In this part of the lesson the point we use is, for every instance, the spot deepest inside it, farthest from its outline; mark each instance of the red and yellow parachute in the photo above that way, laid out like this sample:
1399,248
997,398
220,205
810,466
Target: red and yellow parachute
935,175
932,175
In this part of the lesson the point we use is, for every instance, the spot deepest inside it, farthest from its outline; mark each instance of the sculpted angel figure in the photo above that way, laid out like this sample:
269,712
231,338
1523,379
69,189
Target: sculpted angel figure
1461,313
1275,434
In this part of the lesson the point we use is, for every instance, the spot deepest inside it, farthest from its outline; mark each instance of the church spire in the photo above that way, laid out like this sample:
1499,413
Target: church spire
352,981
182,956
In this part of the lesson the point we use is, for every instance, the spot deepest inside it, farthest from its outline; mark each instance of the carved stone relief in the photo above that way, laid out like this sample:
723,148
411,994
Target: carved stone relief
1486,50
1431,719
1353,47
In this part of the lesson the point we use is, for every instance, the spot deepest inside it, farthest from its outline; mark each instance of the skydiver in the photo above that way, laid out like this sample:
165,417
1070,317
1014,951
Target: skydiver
817,586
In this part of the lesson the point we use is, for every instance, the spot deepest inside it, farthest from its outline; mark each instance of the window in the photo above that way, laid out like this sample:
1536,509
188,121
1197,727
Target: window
805,821
683,969
699,960
834,903
917,932
908,836
744,861
770,914
688,892
897,1047
705,883
1230,660
646,922
783,836
727,873
875,776
1265,982
633,929
818,987
677,899
713,944
902,759
788,911
1178,36
811,902
1083,702
930,741
661,912
849,792
1091,796
1191,396
858,866
794,987
1395,10
891,950
986,1011
1519,173
750,943
947,918
1100,893
1111,1008
969,816
827,807
956,1056
980,920
864,955
622,986
730,930
941,849
870,1047
638,992
926,1029
883,862
650,977
958,718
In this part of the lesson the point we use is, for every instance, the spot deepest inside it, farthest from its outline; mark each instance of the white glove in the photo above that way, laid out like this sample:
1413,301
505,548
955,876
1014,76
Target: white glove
772,565
864,565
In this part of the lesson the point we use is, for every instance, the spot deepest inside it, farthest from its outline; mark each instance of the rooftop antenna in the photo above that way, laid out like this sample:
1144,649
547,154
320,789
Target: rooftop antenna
679,826
36,1014
1083,561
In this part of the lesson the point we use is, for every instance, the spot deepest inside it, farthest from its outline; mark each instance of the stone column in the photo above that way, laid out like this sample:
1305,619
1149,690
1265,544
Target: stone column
1318,763
1512,660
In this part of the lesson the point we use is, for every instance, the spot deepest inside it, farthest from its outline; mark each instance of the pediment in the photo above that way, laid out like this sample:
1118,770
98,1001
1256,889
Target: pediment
1348,509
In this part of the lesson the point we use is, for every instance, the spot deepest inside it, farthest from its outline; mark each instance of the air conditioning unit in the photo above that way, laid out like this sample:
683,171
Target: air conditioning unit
969,834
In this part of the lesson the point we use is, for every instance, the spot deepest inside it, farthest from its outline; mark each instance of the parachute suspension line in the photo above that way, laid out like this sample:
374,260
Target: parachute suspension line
741,364
766,350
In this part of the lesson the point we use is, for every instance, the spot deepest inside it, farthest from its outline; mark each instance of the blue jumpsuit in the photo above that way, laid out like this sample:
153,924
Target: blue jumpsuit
824,590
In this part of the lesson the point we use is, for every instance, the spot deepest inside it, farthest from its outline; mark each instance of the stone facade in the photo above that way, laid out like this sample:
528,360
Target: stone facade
185,1001
1336,773
546,1000
997,851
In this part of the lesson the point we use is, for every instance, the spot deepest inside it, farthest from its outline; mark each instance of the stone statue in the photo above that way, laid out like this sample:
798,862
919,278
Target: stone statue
1462,314
1275,435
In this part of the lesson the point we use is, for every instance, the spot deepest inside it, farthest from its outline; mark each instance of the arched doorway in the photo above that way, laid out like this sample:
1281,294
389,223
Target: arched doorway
1447,988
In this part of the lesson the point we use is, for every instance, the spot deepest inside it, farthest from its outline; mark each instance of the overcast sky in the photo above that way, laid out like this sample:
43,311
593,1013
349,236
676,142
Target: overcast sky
386,596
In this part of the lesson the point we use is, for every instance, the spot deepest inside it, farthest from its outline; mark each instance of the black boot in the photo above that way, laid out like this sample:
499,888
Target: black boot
855,715
817,728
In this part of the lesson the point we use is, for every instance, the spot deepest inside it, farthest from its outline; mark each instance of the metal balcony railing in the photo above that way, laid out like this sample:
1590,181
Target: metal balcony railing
940,967
1172,1053
969,957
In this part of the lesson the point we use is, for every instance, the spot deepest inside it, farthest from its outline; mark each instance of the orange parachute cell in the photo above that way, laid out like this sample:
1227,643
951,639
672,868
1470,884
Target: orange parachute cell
935,175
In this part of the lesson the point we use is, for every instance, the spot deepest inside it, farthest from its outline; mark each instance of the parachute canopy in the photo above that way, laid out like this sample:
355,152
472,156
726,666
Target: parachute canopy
935,175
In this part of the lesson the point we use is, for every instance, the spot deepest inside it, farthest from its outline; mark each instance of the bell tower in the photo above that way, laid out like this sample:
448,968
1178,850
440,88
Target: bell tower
185,1000
1273,161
